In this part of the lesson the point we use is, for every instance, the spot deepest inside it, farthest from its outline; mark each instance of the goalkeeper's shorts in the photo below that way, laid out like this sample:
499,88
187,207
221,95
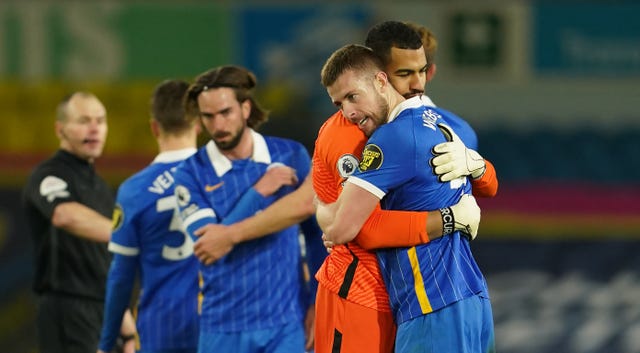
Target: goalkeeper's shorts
345,327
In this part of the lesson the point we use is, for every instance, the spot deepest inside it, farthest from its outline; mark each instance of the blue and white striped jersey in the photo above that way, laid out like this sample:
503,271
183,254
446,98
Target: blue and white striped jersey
148,239
257,285
395,167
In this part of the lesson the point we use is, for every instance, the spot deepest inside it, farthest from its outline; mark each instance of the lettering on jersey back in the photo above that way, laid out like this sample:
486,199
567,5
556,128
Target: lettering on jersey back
162,183
429,118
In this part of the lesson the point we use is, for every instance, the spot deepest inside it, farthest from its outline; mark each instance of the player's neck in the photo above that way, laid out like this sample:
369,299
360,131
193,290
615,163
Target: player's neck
174,143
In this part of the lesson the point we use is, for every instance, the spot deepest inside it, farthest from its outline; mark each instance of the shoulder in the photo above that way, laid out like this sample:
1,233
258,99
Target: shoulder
461,127
283,143
199,158
452,118
337,127
50,171
134,185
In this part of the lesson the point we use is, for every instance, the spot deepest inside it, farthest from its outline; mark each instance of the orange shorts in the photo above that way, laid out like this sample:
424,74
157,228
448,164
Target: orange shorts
345,327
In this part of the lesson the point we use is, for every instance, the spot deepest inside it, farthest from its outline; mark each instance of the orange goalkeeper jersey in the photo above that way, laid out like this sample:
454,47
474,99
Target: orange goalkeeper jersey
348,270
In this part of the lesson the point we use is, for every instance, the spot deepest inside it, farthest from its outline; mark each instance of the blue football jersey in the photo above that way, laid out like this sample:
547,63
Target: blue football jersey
257,285
395,167
459,125
148,238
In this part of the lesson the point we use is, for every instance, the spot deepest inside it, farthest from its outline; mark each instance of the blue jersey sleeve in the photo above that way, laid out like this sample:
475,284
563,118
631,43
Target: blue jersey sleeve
193,206
314,255
119,288
250,203
303,163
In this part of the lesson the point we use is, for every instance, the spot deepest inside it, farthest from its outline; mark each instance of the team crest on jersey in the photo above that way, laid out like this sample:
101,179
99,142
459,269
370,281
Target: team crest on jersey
182,195
117,218
372,158
347,165
52,187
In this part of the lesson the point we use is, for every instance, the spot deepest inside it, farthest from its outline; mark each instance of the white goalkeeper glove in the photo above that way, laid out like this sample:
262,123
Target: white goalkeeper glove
463,216
454,160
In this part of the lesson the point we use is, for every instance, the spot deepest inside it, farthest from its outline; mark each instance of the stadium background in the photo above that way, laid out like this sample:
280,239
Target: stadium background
550,86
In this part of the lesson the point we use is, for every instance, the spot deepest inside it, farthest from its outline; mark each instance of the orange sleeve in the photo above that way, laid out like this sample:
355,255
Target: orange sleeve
487,185
336,139
393,229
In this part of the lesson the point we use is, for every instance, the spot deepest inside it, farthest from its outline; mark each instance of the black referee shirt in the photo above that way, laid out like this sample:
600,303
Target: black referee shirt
64,263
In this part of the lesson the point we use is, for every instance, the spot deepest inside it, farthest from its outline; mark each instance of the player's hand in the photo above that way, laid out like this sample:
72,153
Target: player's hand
454,160
325,213
276,176
465,216
215,241
328,244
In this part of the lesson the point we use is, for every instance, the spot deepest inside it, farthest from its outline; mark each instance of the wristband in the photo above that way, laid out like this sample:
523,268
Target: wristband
447,220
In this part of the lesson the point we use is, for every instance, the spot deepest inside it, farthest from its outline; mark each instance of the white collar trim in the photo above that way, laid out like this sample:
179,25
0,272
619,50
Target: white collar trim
174,155
413,102
221,164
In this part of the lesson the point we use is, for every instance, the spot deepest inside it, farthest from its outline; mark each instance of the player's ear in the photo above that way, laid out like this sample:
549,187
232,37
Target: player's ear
381,80
155,127
246,108
431,72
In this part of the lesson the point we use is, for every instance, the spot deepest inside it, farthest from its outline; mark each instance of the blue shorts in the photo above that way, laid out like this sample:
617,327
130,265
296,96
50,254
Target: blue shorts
284,339
462,327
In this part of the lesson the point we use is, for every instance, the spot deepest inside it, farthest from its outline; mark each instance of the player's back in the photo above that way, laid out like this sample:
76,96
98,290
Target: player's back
149,226
336,156
423,278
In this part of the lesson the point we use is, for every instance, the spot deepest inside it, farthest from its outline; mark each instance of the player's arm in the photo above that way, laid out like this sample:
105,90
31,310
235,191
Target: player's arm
487,184
342,220
82,221
313,257
386,228
285,212
392,229
120,284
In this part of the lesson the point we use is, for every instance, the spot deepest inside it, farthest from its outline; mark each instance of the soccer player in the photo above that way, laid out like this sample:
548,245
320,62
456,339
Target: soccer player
148,239
67,205
440,303
251,294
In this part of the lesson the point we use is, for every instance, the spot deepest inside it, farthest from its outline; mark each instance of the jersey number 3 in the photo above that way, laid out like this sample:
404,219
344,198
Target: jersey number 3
186,249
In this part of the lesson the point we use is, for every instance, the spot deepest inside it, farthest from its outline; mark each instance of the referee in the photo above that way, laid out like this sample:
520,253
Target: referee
68,208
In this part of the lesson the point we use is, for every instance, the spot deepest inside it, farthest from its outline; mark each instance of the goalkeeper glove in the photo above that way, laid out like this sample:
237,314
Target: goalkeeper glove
463,216
454,160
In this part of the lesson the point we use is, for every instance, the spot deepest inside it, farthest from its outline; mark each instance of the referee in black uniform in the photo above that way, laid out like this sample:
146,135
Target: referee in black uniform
68,208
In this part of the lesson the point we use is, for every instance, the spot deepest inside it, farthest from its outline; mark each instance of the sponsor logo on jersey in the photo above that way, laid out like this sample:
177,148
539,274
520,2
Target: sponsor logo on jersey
347,165
117,218
210,188
182,195
52,187
372,158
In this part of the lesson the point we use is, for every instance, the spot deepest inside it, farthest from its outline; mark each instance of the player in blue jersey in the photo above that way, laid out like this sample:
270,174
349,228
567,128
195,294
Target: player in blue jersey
148,239
438,294
251,294
409,62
